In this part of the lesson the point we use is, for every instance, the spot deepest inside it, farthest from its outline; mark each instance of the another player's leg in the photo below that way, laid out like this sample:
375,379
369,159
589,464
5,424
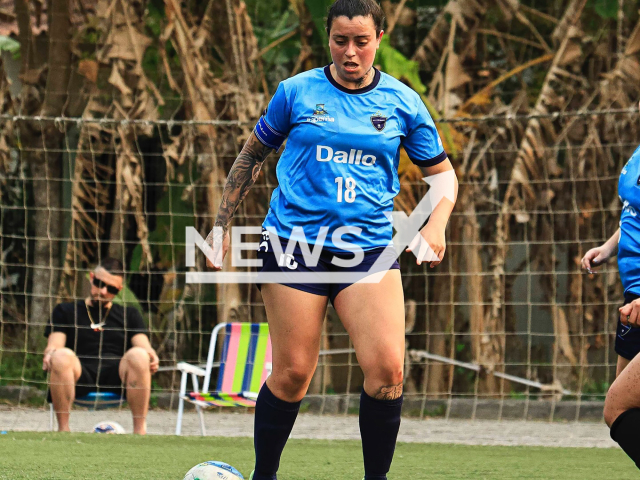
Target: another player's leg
136,377
295,326
373,314
622,409
65,372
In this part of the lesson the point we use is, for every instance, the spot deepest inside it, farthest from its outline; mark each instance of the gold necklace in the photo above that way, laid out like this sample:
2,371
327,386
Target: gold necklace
96,327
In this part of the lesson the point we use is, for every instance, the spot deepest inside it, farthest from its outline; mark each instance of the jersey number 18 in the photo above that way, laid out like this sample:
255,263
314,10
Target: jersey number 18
349,189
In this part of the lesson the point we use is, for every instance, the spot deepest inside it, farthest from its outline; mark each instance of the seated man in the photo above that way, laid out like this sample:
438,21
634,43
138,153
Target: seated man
96,345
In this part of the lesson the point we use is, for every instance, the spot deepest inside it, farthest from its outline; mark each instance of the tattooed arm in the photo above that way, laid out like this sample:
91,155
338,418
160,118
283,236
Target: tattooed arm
242,176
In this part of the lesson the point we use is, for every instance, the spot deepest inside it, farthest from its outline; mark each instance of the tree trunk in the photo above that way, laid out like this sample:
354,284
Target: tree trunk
482,335
439,329
43,140
117,233
25,36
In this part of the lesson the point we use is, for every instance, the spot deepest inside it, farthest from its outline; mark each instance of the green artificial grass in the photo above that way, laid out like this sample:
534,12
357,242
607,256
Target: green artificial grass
77,456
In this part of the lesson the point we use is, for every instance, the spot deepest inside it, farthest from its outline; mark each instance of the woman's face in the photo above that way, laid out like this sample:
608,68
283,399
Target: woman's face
353,44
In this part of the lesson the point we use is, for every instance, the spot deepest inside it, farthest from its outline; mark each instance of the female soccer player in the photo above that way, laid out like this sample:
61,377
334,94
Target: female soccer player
337,180
622,405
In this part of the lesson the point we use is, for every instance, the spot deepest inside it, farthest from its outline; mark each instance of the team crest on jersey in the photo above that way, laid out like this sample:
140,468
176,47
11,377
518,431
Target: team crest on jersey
378,121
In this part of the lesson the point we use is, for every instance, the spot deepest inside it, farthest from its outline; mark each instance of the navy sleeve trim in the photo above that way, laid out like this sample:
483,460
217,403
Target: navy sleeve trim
267,135
432,161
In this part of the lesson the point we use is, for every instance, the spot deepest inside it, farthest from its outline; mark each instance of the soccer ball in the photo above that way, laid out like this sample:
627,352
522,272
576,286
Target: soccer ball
107,427
213,471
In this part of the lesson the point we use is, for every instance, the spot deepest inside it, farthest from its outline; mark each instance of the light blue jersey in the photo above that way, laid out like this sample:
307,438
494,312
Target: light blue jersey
629,245
340,164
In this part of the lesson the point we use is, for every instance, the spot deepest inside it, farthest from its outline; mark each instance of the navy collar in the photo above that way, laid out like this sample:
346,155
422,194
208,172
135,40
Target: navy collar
368,88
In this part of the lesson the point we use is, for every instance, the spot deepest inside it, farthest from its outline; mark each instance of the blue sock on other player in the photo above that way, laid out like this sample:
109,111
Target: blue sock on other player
274,419
379,425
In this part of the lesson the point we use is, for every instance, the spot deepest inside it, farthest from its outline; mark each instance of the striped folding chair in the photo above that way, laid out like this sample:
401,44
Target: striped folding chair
245,364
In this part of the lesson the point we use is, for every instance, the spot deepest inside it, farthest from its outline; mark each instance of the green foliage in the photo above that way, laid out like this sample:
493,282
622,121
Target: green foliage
8,44
595,390
136,258
464,374
271,21
318,10
263,13
394,63
127,298
280,59
151,62
513,395
607,9
154,17
438,411
173,216
16,367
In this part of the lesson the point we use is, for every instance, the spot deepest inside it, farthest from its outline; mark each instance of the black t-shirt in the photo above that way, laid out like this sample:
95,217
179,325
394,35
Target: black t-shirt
92,345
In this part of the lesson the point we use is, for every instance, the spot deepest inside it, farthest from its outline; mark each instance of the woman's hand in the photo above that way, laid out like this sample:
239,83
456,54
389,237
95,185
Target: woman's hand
599,255
429,245
154,361
630,313
46,361
219,241
594,258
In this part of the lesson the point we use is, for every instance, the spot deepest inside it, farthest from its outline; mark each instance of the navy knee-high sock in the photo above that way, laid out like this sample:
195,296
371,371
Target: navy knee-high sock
379,425
274,420
625,431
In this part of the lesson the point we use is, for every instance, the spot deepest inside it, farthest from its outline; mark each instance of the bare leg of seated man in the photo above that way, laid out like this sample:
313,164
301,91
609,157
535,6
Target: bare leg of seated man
136,377
373,314
622,408
65,372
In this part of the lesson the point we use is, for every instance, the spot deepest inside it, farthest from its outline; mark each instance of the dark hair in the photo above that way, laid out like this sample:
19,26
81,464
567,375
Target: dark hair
354,8
113,266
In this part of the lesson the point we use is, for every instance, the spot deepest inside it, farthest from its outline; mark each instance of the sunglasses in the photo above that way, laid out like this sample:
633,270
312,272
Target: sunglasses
110,288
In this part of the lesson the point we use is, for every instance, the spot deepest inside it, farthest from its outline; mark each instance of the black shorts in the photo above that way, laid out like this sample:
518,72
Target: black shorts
295,263
628,338
104,379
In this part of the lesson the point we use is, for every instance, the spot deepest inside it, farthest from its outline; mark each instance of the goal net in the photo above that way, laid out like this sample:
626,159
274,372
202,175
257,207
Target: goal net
535,102
507,326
